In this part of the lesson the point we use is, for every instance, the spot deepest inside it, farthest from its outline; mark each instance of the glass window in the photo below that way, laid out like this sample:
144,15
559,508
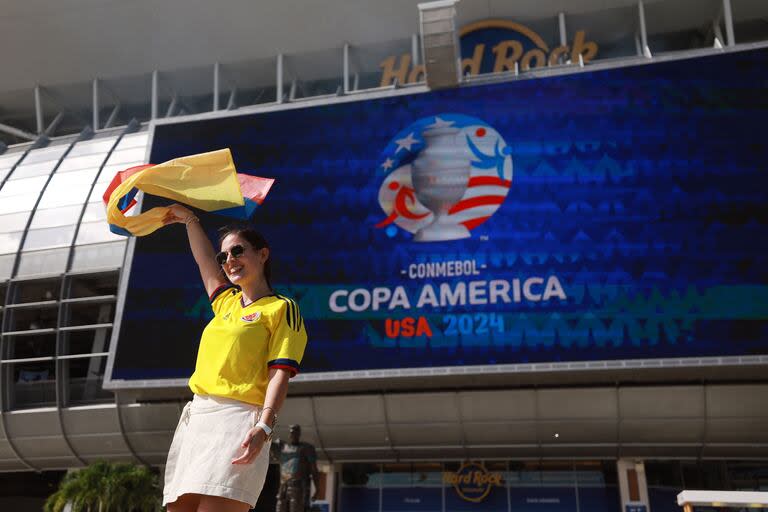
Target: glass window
18,203
95,211
9,243
85,376
3,293
597,482
42,262
255,81
314,73
31,346
412,487
359,488
87,313
38,163
127,157
377,65
37,290
46,154
92,147
32,318
23,186
747,475
99,256
135,140
95,232
45,238
69,188
86,342
548,486
77,163
7,162
675,25
52,217
612,31
749,20
665,481
6,264
476,487
31,384
93,285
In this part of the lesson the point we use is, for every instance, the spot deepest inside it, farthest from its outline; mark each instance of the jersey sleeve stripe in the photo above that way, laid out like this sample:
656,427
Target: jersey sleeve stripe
292,314
221,289
289,312
284,364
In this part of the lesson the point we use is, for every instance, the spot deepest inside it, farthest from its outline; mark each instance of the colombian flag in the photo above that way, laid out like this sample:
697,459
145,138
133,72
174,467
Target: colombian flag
208,181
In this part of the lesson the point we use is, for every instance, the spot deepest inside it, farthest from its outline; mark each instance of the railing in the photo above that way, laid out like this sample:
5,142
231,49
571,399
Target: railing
642,30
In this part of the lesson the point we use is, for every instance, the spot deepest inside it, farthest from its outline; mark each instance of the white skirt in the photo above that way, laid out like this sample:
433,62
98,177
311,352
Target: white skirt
207,439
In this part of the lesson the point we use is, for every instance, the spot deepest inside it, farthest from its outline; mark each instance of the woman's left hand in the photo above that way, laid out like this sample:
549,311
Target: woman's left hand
254,442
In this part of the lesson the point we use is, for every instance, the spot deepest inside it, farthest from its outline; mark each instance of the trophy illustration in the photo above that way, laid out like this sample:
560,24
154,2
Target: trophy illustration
440,177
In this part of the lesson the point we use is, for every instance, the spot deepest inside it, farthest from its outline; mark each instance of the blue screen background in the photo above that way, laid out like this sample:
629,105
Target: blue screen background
642,189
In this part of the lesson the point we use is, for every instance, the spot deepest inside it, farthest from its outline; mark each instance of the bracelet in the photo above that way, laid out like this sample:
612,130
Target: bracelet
274,416
266,428
190,220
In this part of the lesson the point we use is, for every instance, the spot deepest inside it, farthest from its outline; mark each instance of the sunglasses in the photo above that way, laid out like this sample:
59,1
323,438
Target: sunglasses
236,251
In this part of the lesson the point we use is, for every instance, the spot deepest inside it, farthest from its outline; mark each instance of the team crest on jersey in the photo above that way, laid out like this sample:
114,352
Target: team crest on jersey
252,317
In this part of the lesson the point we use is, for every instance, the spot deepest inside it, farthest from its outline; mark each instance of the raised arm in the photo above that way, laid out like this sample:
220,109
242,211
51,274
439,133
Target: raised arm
201,247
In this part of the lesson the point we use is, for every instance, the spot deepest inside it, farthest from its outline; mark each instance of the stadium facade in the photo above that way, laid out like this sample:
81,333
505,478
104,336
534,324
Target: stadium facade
541,431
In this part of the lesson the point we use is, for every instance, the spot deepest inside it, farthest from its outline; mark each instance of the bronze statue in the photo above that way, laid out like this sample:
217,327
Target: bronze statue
298,462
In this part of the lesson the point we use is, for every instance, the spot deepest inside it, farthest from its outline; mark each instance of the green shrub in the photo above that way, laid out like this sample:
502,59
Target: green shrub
107,487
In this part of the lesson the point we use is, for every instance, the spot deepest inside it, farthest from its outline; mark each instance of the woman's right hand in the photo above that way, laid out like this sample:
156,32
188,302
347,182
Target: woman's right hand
178,213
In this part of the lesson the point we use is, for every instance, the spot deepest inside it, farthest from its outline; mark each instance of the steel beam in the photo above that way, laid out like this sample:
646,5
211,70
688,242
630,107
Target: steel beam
231,102
346,68
279,87
216,73
563,33
54,124
155,79
643,31
728,14
112,116
38,110
95,103
16,132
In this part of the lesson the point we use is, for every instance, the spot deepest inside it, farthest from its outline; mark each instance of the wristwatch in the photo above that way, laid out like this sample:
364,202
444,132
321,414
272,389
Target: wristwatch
266,428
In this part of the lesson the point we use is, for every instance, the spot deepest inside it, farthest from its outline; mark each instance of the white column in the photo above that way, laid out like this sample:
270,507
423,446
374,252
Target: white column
628,469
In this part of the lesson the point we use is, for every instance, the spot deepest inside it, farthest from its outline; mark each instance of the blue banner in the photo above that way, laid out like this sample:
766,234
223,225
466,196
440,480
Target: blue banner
616,214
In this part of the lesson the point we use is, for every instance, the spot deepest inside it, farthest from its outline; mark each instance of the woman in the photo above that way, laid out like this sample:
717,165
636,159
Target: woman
219,456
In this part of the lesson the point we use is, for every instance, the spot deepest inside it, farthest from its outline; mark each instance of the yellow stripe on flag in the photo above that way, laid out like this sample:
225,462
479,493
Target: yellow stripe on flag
207,181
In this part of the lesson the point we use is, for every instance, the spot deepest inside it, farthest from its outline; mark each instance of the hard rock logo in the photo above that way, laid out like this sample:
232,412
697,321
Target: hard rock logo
494,46
473,482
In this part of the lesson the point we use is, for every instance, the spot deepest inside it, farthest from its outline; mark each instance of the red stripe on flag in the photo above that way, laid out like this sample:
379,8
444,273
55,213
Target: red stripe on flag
254,187
121,177
473,223
475,201
478,181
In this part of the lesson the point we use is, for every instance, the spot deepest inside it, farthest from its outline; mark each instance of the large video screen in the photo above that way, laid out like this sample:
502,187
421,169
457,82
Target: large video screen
604,215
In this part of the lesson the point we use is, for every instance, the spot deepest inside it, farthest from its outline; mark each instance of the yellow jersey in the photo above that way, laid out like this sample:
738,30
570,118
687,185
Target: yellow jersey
241,344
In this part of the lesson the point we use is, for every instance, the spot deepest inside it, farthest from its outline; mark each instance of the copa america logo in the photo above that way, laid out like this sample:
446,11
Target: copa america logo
445,175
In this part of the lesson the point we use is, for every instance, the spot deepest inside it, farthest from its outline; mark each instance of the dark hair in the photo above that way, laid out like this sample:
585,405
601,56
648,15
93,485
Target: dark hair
253,237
